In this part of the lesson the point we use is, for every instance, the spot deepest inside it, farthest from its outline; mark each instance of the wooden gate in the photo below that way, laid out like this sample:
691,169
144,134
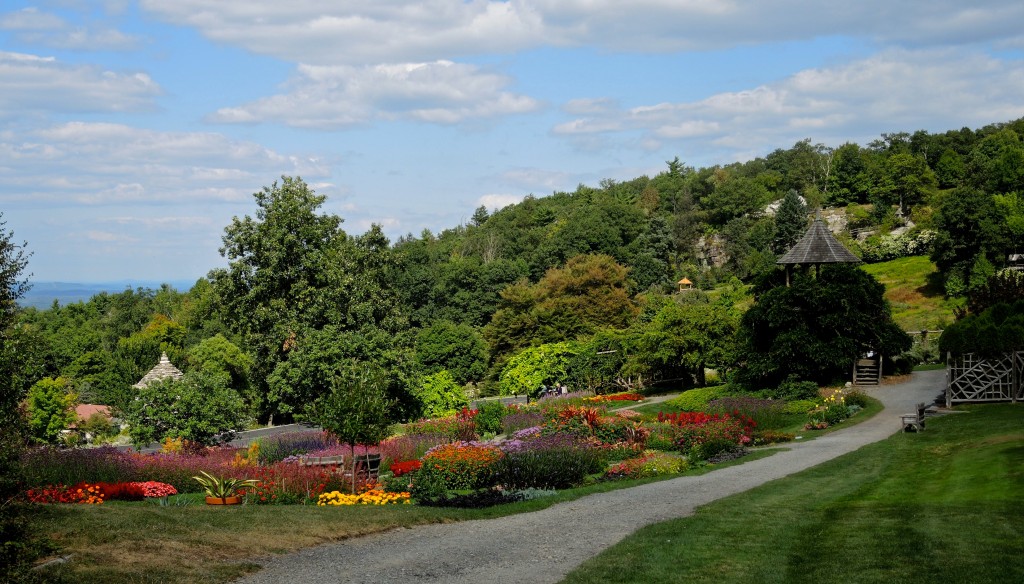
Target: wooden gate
970,378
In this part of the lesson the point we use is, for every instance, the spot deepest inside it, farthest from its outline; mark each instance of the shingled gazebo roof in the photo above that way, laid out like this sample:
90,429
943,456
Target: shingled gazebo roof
163,370
818,246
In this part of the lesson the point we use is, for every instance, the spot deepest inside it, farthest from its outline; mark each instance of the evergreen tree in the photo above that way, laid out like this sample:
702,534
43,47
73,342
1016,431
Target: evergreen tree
790,222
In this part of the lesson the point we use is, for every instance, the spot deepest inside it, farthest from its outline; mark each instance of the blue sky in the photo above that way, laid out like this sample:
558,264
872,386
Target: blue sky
131,132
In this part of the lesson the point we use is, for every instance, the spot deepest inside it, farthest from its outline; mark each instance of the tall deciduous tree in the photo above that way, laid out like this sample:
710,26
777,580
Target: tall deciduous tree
457,348
199,407
15,555
51,409
282,276
589,293
968,225
815,328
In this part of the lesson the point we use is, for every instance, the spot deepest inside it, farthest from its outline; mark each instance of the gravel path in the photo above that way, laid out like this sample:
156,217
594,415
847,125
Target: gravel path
544,546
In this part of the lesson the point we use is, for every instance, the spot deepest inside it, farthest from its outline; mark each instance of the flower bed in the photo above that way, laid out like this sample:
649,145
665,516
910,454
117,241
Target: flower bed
614,397
460,465
371,497
650,464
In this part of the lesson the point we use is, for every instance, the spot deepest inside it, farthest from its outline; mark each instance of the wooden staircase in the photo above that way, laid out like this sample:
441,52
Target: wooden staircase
867,371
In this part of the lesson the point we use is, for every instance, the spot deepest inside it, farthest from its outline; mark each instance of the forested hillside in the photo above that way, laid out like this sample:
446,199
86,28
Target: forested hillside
573,287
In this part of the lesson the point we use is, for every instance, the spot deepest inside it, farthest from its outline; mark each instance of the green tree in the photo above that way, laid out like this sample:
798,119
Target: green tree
199,407
219,356
850,180
996,164
356,408
815,328
967,225
1011,207
910,180
683,338
588,294
456,348
281,277
51,409
790,222
545,364
17,552
440,394
318,357
950,169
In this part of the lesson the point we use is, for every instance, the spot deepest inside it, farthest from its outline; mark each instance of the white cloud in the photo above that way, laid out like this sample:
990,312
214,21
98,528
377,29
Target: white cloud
32,83
109,237
496,201
892,90
360,226
369,31
536,179
113,164
30,25
328,97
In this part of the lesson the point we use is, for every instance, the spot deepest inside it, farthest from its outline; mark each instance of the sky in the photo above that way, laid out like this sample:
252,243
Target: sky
131,132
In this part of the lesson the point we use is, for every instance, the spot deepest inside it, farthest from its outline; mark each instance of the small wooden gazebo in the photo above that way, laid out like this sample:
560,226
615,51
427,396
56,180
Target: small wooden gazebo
685,284
817,246
162,370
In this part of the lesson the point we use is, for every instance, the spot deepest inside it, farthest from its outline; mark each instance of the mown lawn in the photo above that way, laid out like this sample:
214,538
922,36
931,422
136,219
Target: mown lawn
945,505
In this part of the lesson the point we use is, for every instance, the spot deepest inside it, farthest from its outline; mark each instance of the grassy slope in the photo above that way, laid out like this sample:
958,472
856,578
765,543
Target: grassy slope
913,289
945,505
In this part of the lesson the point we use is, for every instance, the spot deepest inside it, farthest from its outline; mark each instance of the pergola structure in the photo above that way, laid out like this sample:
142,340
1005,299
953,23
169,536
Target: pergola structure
817,246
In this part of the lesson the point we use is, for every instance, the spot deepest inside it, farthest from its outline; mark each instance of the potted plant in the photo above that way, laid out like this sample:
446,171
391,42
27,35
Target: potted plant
222,491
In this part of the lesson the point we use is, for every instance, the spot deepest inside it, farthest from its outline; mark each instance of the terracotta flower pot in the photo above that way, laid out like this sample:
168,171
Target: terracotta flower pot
235,500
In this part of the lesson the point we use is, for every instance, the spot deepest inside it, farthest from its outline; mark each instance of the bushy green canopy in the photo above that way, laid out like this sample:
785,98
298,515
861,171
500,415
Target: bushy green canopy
815,328
997,330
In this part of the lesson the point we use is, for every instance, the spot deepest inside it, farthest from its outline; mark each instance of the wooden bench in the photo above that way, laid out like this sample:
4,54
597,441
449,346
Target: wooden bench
338,461
368,465
914,422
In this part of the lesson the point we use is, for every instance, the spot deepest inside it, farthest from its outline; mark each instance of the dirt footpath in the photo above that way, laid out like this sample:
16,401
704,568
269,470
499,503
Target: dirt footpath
544,546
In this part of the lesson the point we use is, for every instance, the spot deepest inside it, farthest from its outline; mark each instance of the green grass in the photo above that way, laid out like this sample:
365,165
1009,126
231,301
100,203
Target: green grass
944,505
913,288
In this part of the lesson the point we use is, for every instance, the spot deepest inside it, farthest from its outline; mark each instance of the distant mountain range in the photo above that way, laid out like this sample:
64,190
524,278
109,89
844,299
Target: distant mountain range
43,294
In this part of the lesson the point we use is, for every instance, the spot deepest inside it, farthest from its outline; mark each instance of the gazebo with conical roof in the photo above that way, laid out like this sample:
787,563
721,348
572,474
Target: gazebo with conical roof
161,371
817,246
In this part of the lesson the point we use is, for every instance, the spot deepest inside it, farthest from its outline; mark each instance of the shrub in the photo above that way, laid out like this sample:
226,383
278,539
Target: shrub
649,465
489,417
52,466
857,398
792,389
696,400
763,437
461,427
800,406
663,436
712,449
701,441
475,500
410,446
766,413
276,448
558,461
519,419
461,465
440,395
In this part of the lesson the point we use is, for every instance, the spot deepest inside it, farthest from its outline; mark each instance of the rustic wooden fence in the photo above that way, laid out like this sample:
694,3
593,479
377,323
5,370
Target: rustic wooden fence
971,378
